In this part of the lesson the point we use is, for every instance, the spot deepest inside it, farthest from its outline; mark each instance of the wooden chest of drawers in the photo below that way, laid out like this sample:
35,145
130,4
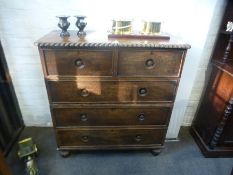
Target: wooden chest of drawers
108,94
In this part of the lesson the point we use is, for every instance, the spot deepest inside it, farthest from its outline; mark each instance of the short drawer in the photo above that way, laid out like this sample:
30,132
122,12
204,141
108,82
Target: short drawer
79,62
158,63
111,91
109,136
114,116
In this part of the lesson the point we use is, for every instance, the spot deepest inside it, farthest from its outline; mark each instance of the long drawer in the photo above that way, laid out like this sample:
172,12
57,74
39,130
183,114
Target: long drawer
112,91
109,136
147,63
110,116
74,62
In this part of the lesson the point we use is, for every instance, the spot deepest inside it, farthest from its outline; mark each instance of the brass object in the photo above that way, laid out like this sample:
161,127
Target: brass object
27,152
151,28
26,148
121,27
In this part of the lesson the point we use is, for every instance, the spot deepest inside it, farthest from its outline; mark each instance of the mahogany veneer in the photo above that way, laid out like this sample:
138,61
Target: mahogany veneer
110,94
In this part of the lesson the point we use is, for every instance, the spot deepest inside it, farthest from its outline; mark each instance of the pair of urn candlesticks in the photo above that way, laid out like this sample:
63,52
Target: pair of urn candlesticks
64,25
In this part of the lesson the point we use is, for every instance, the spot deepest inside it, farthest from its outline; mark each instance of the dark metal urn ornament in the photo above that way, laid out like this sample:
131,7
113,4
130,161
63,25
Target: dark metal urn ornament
81,24
64,25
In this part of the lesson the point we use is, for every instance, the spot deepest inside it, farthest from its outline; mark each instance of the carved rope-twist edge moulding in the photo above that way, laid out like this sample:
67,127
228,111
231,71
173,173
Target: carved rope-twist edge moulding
98,45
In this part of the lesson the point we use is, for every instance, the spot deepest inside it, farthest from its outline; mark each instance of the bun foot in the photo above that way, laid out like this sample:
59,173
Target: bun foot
155,152
64,154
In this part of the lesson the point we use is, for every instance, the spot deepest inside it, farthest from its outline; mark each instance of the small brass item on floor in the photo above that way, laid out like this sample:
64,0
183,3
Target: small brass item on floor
28,151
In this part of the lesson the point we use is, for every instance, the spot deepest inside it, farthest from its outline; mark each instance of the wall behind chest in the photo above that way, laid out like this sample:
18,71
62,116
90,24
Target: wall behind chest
23,22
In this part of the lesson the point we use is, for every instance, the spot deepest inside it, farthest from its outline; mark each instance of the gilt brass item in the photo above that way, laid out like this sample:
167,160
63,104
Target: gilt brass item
26,148
28,151
121,27
151,28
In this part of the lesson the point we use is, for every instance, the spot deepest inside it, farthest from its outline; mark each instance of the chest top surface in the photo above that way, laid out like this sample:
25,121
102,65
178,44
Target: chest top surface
98,40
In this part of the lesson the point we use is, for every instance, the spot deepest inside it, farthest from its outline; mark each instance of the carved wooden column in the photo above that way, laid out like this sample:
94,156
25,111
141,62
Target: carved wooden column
220,127
228,49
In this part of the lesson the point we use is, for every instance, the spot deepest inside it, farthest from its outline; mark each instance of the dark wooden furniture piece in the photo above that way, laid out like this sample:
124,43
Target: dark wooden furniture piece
110,94
4,168
11,123
212,128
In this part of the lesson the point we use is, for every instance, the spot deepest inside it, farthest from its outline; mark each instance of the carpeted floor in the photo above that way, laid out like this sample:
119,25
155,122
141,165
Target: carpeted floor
178,158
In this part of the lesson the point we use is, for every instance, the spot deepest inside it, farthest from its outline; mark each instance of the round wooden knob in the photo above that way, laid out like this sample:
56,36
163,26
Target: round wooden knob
138,138
79,63
141,117
85,138
142,91
83,117
84,92
150,63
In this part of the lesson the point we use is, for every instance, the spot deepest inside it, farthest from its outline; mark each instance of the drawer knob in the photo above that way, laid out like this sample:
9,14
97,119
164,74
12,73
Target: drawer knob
141,117
79,63
138,138
83,117
142,91
150,63
85,138
84,92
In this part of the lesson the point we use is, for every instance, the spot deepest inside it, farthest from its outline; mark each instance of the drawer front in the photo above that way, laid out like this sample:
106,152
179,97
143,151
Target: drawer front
150,63
108,136
93,116
112,91
79,62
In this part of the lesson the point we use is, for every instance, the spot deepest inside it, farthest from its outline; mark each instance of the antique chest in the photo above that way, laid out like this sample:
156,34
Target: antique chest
110,94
